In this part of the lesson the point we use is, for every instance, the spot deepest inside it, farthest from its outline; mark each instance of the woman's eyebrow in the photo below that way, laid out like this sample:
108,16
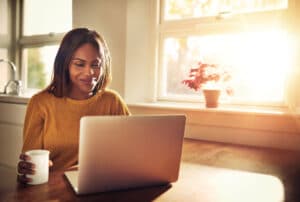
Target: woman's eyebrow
82,60
78,59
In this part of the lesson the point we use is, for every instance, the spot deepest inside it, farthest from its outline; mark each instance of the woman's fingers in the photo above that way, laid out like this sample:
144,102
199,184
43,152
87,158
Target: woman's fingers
24,157
26,168
23,179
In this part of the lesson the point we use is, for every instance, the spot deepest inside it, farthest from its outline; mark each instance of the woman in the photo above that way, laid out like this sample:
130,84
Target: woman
78,88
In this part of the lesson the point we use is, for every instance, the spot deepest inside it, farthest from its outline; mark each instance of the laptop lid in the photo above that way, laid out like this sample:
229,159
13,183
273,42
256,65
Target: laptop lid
121,152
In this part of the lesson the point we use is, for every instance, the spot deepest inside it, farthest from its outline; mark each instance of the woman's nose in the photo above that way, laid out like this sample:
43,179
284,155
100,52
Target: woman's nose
89,70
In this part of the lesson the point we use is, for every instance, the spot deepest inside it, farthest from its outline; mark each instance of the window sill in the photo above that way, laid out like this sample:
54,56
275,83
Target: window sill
223,108
255,126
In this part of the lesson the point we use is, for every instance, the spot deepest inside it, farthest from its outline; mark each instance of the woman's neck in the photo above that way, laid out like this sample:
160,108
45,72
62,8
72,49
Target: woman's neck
75,95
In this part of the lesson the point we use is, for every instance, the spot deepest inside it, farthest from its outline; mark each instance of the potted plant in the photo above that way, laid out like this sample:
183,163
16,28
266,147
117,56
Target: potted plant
211,79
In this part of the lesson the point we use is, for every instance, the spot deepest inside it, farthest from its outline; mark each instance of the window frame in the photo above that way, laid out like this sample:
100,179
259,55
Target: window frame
7,40
33,41
5,43
232,24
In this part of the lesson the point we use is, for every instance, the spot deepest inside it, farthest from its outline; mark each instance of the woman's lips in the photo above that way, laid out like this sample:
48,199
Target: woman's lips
87,81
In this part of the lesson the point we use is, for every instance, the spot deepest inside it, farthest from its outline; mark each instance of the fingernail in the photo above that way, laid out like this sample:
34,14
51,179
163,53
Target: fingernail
27,158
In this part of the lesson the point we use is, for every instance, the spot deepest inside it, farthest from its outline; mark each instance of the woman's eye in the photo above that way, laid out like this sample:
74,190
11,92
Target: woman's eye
96,66
79,65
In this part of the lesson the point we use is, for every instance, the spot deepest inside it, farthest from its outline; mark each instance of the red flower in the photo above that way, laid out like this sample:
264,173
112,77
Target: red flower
206,73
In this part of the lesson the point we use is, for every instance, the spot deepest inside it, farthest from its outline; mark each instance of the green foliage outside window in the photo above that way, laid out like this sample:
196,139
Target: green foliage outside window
36,76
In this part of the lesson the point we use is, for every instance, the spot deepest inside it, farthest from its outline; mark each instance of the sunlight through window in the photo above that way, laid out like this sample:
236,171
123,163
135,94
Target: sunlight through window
258,57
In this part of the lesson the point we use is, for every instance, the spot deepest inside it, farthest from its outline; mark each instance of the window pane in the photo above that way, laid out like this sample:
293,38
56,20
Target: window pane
45,16
181,9
3,17
4,69
258,72
39,62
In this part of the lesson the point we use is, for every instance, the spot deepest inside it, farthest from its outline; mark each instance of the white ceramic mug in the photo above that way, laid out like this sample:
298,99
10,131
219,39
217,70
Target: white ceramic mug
40,158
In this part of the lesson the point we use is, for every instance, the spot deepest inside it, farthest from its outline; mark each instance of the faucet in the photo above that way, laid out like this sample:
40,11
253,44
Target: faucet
13,86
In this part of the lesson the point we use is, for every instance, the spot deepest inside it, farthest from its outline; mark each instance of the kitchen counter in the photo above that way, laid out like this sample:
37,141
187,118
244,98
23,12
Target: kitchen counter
17,99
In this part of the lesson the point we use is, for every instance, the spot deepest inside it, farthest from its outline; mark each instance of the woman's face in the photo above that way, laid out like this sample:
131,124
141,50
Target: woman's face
85,71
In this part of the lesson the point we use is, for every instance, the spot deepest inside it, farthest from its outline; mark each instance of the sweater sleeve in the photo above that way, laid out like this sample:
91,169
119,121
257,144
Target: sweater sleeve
33,126
119,106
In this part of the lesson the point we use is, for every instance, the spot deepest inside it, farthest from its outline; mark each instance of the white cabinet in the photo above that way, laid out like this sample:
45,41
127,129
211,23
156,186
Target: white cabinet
11,132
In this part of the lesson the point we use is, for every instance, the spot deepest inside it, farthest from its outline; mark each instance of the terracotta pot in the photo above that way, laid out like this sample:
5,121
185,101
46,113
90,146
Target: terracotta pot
211,97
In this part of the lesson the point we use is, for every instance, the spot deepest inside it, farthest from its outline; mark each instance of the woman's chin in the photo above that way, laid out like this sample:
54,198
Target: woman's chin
87,90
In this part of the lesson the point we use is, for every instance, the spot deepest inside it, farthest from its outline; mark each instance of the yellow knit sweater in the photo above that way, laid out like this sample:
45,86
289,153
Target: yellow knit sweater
52,123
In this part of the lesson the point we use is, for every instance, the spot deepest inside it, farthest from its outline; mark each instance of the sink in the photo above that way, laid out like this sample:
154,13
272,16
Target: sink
13,87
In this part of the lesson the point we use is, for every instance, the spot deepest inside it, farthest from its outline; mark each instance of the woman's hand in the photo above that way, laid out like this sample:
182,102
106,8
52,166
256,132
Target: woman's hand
25,167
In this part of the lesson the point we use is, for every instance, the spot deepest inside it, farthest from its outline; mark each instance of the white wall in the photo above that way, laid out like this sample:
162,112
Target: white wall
140,57
108,17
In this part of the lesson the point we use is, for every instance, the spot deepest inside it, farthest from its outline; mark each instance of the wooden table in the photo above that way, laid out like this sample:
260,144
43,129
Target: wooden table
209,172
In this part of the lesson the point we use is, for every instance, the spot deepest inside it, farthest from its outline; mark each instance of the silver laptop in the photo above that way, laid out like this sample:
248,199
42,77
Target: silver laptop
122,152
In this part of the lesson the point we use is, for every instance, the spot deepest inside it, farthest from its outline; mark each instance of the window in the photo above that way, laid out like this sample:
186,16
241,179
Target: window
250,38
39,62
3,17
4,42
43,26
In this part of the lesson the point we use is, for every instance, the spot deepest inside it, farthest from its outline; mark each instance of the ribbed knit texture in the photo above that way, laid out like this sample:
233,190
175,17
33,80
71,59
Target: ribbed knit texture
52,123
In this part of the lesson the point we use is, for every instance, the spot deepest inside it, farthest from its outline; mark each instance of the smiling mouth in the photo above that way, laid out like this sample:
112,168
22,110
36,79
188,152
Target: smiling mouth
87,82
